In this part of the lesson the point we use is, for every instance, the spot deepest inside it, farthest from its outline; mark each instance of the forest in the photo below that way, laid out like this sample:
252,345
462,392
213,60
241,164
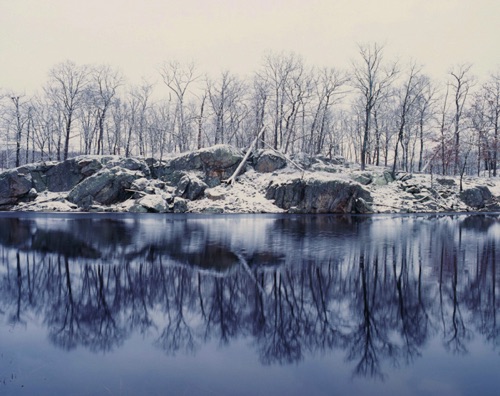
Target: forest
379,112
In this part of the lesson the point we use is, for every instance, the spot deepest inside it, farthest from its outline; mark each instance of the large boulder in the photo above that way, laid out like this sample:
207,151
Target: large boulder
476,197
63,176
13,186
319,196
384,178
133,164
106,187
154,203
217,162
363,178
266,161
190,187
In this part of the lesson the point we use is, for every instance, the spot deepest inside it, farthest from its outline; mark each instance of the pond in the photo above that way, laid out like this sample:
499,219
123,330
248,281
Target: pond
249,304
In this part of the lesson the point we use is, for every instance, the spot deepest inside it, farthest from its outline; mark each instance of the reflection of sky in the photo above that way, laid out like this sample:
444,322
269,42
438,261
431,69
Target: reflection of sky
139,368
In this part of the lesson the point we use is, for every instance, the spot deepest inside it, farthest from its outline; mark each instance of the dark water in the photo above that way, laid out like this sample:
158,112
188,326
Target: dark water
249,305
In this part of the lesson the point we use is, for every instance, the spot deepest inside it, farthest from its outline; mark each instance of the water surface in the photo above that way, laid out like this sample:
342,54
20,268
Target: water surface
249,304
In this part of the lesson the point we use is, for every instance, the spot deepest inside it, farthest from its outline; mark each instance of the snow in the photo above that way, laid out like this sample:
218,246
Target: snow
247,194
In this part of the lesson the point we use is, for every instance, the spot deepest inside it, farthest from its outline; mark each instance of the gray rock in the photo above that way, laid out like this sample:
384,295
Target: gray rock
403,176
64,176
15,184
212,210
317,196
154,203
333,160
106,187
413,189
446,182
215,194
476,197
383,179
88,166
191,187
267,161
324,168
133,164
137,208
363,178
302,159
216,162
139,184
180,205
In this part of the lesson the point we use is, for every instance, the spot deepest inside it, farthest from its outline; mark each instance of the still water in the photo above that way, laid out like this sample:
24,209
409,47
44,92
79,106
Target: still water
249,305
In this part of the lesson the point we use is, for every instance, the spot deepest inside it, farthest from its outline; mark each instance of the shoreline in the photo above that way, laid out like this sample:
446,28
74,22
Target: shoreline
194,183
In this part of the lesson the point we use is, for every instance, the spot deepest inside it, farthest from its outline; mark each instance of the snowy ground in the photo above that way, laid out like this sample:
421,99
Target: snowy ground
411,193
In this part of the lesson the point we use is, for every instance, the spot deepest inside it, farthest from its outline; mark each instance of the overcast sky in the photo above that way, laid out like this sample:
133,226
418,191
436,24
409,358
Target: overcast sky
138,35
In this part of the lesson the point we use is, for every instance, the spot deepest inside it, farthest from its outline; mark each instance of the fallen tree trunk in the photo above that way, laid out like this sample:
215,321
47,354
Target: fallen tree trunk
232,179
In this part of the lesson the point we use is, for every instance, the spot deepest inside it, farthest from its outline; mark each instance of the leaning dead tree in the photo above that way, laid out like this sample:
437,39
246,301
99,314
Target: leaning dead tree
232,179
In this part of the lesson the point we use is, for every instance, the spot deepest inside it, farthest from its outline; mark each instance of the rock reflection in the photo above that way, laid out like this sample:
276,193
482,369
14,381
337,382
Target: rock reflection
377,288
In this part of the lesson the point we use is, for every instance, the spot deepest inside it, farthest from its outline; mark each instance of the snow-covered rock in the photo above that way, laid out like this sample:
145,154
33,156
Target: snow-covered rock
193,182
266,161
154,203
313,195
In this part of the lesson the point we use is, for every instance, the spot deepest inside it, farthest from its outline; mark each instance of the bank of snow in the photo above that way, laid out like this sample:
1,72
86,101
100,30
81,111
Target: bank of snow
194,183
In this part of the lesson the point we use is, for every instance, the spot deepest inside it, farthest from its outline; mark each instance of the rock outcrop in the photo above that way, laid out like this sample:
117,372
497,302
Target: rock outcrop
14,186
476,197
106,187
269,183
266,161
317,196
216,163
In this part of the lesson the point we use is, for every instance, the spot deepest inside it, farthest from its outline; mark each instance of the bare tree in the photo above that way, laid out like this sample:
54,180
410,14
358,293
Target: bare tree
20,120
407,96
425,113
328,86
178,77
66,84
105,82
461,83
225,96
372,79
283,74
492,96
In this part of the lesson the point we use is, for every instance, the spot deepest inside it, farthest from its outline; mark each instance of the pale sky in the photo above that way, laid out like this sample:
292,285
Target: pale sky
138,35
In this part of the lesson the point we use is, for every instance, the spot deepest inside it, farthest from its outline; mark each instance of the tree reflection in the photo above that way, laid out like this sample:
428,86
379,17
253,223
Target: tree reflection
301,292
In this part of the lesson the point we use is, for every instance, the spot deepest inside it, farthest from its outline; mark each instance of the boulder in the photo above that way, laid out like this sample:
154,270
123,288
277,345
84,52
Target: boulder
332,160
302,159
476,197
216,162
215,194
89,166
108,186
446,182
180,205
190,187
318,196
154,203
133,164
267,161
383,179
64,175
13,186
139,184
364,178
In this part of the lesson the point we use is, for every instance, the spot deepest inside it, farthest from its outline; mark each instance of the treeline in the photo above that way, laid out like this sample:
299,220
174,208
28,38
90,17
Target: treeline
376,113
